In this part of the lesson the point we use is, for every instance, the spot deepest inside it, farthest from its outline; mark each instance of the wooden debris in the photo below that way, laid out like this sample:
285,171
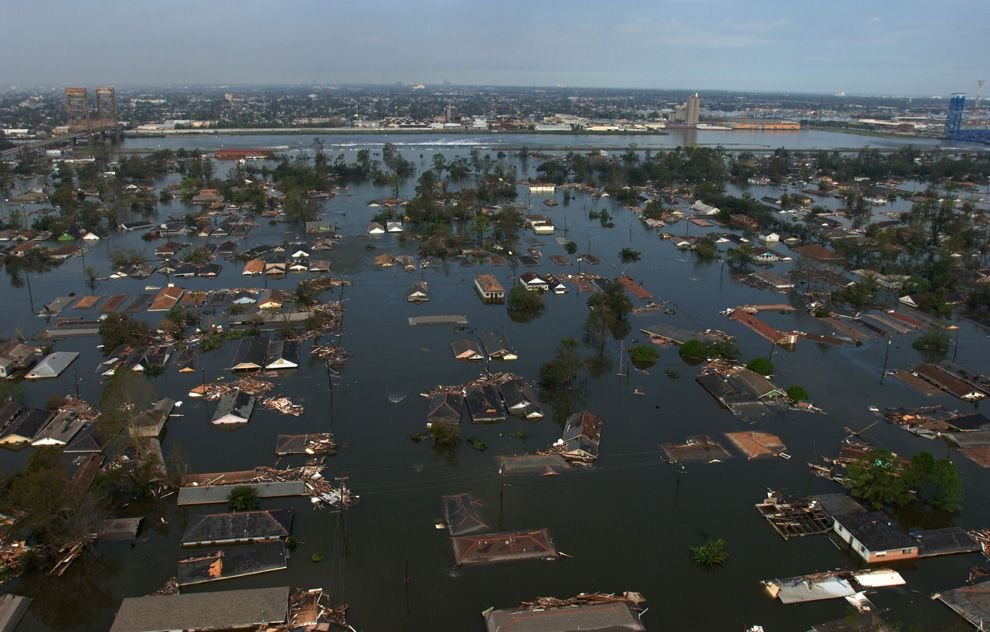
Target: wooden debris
632,599
283,405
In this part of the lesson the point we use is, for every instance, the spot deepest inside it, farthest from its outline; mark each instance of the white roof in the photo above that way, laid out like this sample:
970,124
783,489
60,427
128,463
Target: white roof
879,578
801,589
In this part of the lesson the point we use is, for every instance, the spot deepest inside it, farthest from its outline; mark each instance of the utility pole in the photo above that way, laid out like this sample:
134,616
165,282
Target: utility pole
342,485
886,354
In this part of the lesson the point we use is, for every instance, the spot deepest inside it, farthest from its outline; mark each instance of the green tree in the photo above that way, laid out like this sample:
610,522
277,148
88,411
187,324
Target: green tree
570,247
877,479
692,351
120,329
936,482
763,366
796,393
243,498
935,339
644,356
524,305
628,255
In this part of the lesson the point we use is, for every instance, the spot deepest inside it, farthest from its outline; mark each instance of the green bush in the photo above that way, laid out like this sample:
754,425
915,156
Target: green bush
712,553
445,435
797,393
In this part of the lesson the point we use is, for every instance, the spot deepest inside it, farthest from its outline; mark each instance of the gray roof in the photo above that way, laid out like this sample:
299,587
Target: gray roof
610,617
251,352
215,494
875,531
970,602
12,609
53,365
224,610
238,526
238,403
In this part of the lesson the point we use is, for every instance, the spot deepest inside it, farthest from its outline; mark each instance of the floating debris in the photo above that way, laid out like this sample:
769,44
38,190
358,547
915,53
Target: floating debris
283,405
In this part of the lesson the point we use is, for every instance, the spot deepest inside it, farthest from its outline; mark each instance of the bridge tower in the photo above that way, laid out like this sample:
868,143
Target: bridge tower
77,109
954,119
106,110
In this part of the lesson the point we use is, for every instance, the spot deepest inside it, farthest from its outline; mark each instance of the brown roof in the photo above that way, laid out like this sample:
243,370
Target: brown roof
488,283
820,253
166,299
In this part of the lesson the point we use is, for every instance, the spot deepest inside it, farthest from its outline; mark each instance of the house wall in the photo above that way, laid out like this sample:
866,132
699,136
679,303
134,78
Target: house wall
874,557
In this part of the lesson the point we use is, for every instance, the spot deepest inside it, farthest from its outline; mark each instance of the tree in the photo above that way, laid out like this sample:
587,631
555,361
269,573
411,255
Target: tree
692,351
644,356
936,482
40,498
876,478
445,435
935,339
120,329
763,366
628,255
570,247
524,305
562,370
796,393
243,498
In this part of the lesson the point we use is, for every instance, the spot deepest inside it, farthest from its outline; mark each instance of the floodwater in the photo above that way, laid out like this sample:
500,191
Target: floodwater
627,523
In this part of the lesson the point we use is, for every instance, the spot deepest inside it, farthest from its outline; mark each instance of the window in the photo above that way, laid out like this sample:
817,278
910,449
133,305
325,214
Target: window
907,551
880,554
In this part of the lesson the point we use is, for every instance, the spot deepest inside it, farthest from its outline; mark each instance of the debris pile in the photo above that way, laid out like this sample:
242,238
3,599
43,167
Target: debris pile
313,610
632,599
253,386
331,354
171,587
283,405
982,537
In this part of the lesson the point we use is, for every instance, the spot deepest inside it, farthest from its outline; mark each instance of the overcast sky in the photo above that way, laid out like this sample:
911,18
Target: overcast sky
909,47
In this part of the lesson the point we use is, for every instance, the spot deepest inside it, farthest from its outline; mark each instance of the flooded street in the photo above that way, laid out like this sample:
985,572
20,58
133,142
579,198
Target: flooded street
625,524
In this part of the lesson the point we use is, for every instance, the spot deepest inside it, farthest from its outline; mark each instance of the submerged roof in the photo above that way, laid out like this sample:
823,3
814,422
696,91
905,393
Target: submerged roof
606,617
230,609
52,365
243,525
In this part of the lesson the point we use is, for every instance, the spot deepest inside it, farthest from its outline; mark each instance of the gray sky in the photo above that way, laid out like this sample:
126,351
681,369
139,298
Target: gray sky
866,46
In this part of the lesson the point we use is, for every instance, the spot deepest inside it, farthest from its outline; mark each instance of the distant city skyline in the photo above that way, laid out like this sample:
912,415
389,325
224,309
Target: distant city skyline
763,45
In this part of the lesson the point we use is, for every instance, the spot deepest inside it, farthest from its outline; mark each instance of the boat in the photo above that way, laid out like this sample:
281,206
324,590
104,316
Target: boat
713,128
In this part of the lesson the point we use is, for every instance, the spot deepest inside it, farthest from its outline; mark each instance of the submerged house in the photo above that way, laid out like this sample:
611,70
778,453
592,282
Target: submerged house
242,527
520,400
445,408
484,404
875,538
282,354
234,408
52,366
497,346
24,426
419,293
489,289
467,349
582,434
251,354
